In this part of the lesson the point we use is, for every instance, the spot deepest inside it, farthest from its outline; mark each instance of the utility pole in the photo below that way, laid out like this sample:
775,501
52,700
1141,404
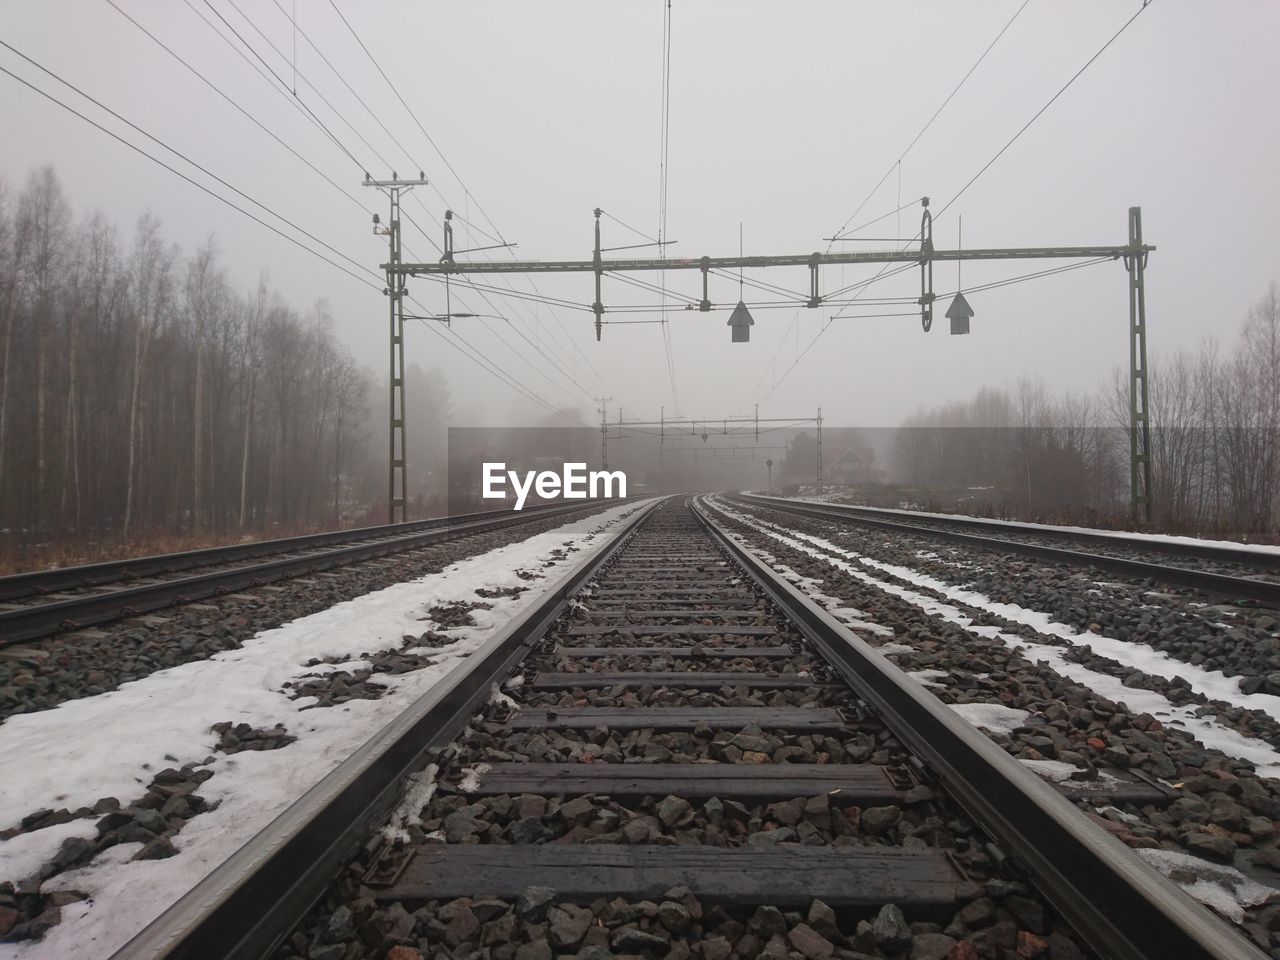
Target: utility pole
397,454
819,483
1139,420
604,431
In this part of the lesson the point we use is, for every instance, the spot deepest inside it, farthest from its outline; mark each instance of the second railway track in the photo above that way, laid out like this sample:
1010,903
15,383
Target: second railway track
42,603
691,758
1216,570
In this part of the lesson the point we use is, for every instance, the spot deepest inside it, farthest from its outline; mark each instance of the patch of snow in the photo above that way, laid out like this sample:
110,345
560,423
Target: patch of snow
26,853
470,781
422,787
1059,771
497,696
992,716
1116,812
1209,732
110,745
1214,684
889,649
928,678
1219,887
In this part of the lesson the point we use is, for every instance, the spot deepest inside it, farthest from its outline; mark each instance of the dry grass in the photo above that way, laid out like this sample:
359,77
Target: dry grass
21,557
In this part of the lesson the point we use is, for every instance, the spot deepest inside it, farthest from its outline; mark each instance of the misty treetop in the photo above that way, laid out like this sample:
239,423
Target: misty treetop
140,391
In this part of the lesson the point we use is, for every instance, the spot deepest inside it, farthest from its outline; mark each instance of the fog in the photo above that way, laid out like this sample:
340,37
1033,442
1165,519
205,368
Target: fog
782,119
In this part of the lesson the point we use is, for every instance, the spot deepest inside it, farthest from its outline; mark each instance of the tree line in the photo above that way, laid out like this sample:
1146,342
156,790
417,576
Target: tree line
1215,438
141,391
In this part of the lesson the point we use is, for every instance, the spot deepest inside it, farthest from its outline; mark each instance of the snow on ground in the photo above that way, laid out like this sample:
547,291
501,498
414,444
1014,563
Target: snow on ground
992,716
929,678
1059,771
113,744
1214,684
1206,729
1224,889
1014,525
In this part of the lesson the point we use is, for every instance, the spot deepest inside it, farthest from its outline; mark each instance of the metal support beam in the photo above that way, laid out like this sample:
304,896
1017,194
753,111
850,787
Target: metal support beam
819,483
398,500
397,448
788,260
1139,381
596,265
1134,254
604,431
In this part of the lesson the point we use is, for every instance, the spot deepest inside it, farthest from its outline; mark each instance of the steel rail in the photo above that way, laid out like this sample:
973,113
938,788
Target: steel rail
19,585
44,619
1243,588
1184,548
248,905
1121,906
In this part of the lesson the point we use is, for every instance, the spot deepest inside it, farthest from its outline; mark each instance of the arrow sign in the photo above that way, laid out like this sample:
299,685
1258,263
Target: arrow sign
959,313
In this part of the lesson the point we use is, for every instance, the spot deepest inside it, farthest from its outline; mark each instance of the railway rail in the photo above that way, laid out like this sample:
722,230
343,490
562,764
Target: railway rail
41,603
1254,576
687,671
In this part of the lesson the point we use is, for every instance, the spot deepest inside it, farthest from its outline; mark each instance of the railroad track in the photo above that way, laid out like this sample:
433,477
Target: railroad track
687,742
1254,576
41,603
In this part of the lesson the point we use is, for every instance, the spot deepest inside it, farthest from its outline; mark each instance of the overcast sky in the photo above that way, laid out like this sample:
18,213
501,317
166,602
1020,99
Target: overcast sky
782,117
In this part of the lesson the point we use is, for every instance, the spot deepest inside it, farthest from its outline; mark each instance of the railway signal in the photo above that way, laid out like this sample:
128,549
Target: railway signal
959,314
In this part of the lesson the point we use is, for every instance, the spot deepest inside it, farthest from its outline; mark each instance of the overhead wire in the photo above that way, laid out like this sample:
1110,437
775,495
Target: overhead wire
897,164
510,381
995,157
258,123
461,183
496,334
1050,102
194,183
663,180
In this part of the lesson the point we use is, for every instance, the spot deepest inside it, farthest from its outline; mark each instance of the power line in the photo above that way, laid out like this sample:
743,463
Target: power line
505,378
663,175
311,113
216,89
329,132
194,183
207,172
916,139
989,163
314,89
897,164
356,36
1074,77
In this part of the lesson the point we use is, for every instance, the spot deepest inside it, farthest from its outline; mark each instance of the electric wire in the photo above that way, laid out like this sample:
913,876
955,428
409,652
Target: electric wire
194,183
1036,116
897,164
178,153
338,142
434,146
314,89
258,123
248,46
663,180
495,371
997,155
